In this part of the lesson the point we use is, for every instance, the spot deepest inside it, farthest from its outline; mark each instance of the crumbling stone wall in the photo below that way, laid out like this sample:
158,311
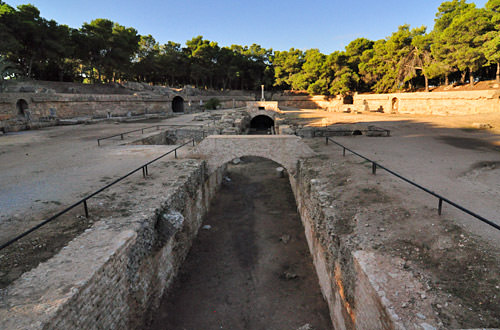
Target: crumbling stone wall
113,275
351,297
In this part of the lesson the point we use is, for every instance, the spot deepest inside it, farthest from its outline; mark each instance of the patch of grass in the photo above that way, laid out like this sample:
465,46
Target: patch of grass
471,129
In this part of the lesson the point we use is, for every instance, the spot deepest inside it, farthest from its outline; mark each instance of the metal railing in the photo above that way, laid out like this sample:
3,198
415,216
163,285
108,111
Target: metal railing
121,135
354,131
83,201
441,198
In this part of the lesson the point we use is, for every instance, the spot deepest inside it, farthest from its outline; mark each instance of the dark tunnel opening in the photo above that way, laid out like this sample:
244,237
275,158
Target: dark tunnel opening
178,104
261,124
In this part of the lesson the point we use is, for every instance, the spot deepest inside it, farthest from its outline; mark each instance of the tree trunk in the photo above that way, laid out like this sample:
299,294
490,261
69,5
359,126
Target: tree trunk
498,73
426,83
471,78
30,66
446,80
462,78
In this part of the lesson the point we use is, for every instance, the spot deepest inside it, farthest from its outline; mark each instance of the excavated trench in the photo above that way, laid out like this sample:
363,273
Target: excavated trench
249,267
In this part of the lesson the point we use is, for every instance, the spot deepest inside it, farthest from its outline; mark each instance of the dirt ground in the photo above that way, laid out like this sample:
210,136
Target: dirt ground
443,153
42,168
455,256
252,268
457,270
44,171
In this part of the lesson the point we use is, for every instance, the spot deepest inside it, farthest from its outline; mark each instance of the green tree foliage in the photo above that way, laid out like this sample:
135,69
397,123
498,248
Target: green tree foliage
9,44
7,70
287,64
109,48
464,38
465,41
212,104
491,47
419,58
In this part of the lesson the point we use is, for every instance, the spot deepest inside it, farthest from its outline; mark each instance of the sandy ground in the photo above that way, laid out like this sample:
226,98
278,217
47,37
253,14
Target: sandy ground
251,269
43,171
456,272
443,154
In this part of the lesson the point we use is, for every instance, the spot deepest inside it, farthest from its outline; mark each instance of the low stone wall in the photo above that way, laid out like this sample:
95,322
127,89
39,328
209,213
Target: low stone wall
348,276
308,102
262,105
438,103
50,107
113,275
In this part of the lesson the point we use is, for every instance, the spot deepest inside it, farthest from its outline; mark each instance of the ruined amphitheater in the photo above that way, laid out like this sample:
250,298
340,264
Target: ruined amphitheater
282,212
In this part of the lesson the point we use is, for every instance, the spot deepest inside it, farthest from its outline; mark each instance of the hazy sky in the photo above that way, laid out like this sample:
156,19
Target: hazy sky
325,24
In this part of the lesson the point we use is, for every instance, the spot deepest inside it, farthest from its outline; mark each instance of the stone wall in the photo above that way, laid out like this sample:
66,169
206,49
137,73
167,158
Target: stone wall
307,102
282,149
113,275
438,103
50,107
344,281
262,105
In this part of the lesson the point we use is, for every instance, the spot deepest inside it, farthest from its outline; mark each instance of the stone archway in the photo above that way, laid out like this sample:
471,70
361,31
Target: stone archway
21,106
282,149
394,104
261,123
178,104
348,99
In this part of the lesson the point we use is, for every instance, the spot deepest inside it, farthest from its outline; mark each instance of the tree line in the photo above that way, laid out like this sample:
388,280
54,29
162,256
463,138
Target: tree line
463,46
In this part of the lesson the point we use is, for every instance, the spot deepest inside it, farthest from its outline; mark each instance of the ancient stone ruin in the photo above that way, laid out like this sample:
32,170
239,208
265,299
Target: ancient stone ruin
380,255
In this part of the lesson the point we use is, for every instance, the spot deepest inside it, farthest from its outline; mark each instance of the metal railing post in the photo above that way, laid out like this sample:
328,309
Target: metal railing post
175,153
343,152
374,168
440,206
85,207
83,201
121,135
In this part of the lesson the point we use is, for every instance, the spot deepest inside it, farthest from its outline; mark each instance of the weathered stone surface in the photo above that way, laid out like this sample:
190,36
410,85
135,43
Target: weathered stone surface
481,125
66,106
438,103
113,275
280,171
283,149
286,130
